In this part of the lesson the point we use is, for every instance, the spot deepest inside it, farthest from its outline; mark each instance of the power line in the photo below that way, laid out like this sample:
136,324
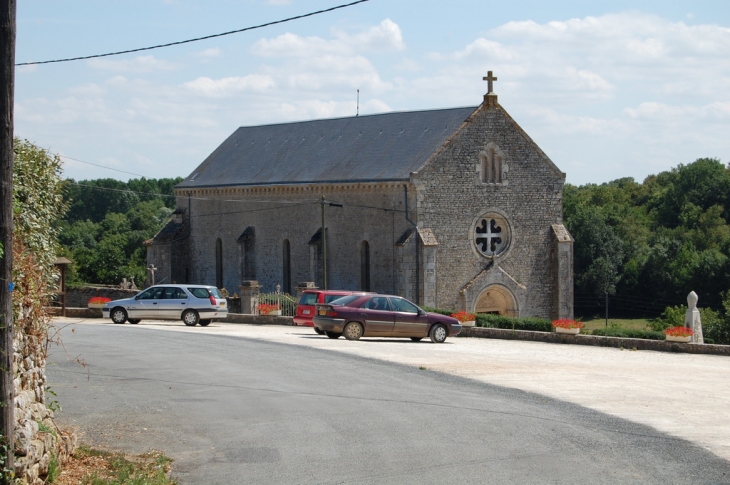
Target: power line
195,39
102,166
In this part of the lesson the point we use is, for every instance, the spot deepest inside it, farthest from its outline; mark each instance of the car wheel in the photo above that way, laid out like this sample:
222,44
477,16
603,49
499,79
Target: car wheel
135,321
352,331
118,315
204,323
190,318
333,334
319,331
438,334
416,339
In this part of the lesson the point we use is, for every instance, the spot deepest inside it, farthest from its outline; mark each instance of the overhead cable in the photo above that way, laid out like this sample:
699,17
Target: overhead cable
169,44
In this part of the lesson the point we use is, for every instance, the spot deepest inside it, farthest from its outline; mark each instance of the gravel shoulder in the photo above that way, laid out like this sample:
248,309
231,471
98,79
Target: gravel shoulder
684,395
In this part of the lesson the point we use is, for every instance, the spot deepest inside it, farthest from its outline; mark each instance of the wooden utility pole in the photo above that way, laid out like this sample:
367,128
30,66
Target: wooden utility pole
7,86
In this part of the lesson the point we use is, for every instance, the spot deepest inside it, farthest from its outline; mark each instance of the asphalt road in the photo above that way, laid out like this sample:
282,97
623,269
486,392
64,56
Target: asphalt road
233,410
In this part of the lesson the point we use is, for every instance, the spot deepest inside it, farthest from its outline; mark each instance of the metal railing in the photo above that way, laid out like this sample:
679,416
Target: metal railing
277,303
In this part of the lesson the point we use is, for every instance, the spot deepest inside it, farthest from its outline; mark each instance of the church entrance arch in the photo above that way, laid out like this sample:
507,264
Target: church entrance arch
498,300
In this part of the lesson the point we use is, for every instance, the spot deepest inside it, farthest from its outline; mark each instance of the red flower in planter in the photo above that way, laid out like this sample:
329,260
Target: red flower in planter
99,300
679,332
266,308
567,323
464,316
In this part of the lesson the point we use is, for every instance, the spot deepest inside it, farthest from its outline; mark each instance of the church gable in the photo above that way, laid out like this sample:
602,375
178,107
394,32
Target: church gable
491,196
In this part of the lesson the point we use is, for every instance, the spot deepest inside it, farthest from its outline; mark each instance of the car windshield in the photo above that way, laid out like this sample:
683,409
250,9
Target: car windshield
345,300
308,299
214,291
331,298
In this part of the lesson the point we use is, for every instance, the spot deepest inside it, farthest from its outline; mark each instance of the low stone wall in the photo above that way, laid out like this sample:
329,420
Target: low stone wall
595,341
79,297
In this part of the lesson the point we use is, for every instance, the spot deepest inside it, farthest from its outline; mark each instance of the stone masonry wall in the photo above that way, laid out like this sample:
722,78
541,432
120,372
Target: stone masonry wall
452,195
37,439
372,212
79,297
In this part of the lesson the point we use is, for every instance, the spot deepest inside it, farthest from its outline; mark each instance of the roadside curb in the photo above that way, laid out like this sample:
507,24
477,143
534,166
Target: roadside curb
595,341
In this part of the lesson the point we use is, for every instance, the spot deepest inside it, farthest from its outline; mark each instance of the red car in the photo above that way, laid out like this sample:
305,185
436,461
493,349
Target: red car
372,315
308,300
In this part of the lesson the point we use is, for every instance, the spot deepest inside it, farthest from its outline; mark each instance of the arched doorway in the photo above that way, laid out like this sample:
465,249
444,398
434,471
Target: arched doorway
498,300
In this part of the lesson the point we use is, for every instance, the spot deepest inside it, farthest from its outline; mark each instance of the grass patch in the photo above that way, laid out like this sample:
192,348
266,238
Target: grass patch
97,467
596,323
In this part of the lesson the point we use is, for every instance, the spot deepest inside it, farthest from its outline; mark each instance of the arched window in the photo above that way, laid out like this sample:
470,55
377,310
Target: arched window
365,266
247,247
219,263
286,267
491,165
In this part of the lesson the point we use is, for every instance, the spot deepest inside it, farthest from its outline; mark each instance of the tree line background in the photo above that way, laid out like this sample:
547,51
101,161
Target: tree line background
106,224
645,245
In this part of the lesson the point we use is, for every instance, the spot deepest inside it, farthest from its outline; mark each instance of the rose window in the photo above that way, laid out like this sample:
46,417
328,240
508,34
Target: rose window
491,235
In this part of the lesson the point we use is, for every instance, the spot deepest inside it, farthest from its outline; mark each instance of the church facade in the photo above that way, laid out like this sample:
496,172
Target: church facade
452,208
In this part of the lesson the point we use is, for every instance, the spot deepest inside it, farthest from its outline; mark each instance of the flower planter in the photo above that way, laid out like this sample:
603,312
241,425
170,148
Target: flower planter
97,305
572,331
275,313
673,338
470,323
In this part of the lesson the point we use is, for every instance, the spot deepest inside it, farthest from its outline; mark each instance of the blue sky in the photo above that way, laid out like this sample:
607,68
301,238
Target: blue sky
606,89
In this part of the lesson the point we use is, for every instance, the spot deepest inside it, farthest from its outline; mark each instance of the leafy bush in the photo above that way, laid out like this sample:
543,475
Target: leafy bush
616,331
672,316
438,310
499,321
715,326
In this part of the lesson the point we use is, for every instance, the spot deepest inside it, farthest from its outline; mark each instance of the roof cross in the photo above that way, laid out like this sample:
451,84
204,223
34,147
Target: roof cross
489,78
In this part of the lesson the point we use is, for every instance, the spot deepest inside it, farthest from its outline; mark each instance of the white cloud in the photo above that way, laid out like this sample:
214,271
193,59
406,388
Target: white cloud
209,53
229,86
135,65
386,36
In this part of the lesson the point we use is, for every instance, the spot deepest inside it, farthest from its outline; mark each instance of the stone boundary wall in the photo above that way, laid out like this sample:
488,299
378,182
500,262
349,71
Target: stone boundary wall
595,341
37,439
79,297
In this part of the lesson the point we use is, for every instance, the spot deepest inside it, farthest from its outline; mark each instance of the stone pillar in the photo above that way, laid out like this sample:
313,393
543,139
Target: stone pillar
692,319
249,296
305,285
562,256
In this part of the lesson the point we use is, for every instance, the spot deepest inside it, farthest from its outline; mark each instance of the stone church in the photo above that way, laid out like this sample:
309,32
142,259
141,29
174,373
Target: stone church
451,208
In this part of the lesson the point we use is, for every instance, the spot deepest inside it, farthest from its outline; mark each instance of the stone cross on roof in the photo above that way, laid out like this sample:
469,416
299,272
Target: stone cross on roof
490,99
489,78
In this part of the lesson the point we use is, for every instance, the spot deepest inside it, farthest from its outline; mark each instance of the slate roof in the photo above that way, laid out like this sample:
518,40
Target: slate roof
373,148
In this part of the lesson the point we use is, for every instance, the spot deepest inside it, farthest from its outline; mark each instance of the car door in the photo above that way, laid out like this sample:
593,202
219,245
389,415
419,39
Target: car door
146,304
172,302
378,317
409,320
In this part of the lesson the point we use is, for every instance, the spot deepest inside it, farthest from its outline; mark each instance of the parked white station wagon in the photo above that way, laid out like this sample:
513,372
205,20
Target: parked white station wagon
192,304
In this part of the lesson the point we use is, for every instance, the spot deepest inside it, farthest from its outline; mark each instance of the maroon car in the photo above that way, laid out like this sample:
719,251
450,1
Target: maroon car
371,315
